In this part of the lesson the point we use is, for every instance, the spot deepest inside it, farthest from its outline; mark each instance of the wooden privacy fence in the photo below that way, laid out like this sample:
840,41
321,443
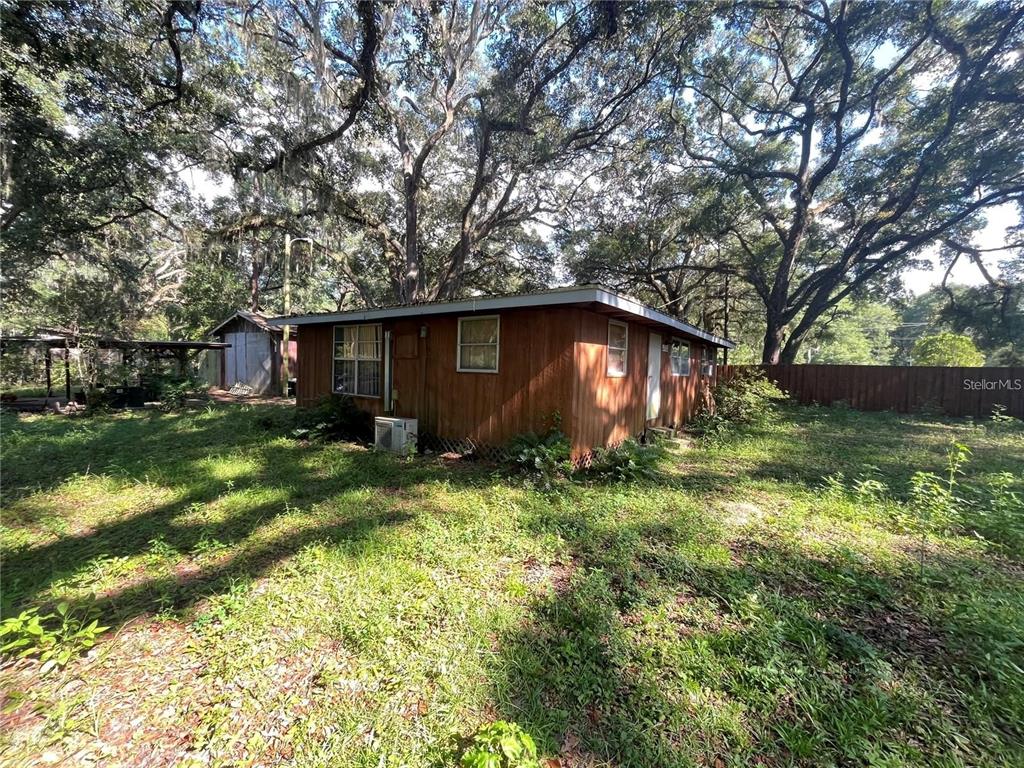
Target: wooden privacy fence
953,391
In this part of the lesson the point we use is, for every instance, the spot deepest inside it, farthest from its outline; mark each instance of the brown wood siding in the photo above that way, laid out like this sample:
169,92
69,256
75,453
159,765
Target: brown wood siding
550,360
315,360
680,395
534,378
608,409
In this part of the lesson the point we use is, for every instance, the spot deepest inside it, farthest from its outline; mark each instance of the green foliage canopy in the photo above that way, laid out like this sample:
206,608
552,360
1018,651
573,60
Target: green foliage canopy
947,349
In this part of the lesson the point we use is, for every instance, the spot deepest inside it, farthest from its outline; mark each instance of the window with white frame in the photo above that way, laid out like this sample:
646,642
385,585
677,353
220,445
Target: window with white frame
357,358
618,347
478,344
708,355
680,358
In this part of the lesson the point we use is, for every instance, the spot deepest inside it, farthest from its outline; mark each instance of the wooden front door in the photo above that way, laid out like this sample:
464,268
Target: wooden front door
653,376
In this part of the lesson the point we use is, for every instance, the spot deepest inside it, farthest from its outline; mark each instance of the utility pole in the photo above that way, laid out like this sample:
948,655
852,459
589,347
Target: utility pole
286,286
725,321
286,336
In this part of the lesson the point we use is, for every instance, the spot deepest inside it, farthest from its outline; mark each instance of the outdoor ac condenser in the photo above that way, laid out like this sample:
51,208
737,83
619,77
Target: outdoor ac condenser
395,435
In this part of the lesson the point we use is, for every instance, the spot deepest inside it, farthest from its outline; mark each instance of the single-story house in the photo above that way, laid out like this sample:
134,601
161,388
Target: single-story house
489,368
255,354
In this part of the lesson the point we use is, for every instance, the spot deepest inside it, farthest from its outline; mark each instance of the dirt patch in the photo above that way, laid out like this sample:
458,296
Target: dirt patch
572,755
897,631
742,513
130,701
146,697
557,575
223,396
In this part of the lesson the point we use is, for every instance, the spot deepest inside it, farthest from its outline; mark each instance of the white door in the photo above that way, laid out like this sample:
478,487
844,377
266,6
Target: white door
234,359
259,362
653,376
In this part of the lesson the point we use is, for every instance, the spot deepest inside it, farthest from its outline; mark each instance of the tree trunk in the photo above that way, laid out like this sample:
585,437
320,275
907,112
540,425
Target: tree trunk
254,291
773,337
796,338
815,309
453,285
791,349
412,281
774,334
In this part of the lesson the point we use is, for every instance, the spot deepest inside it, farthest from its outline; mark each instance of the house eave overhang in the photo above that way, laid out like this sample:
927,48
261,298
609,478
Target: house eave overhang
559,297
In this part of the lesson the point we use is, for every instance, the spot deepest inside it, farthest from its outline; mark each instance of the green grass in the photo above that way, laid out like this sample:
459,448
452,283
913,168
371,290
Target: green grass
277,602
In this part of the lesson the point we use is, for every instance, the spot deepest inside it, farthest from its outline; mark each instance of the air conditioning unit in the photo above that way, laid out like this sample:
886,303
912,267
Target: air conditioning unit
395,435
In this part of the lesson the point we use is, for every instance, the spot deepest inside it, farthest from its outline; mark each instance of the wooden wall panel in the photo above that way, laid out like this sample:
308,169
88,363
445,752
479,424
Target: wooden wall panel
680,395
550,360
608,409
534,379
315,359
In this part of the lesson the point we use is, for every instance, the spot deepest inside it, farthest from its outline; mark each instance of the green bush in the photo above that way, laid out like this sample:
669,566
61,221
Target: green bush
172,389
999,512
500,745
55,638
746,398
336,417
935,500
629,460
1001,421
949,349
544,458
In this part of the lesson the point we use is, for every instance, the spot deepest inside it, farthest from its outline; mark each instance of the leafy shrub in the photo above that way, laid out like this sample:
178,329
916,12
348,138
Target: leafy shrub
746,398
547,458
629,460
997,511
544,458
1001,421
97,401
709,426
336,417
933,503
500,745
55,638
946,348
172,389
935,499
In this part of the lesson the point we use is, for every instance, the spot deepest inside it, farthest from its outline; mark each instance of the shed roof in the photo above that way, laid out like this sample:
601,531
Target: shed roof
256,318
576,295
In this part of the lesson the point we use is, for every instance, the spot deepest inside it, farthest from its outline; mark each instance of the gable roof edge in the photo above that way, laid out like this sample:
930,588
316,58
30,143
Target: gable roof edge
555,297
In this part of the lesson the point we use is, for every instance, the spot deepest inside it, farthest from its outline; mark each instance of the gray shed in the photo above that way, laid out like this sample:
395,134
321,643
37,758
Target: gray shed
254,357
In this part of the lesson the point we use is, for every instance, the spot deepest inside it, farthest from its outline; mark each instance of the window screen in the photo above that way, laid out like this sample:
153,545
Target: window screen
357,357
618,347
680,358
478,344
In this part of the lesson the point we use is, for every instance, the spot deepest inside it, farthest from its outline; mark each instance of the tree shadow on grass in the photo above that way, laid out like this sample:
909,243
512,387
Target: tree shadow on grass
647,657
808,444
44,453
286,496
181,588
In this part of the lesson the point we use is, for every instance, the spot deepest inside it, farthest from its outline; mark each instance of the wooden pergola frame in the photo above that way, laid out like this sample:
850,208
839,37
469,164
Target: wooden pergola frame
169,348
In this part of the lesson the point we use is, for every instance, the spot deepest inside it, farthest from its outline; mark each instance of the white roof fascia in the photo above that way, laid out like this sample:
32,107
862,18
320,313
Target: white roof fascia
582,295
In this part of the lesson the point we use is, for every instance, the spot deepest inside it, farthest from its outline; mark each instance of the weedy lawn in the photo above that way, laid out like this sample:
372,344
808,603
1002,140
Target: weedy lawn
786,597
